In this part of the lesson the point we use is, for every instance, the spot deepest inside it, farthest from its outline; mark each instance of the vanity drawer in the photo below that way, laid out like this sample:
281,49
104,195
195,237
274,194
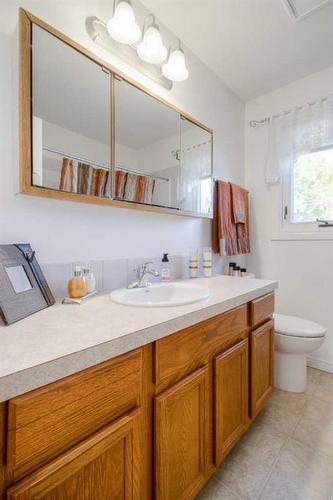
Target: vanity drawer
49,420
261,309
184,351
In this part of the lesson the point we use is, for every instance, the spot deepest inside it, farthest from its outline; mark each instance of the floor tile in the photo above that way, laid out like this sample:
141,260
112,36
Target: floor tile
300,473
216,491
283,411
320,384
248,466
315,428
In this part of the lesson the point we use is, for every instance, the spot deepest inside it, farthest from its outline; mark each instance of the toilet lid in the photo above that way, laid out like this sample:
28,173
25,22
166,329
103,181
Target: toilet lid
297,327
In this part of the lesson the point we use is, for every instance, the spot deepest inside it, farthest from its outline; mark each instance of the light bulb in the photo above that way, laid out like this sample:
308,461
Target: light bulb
122,27
175,69
151,49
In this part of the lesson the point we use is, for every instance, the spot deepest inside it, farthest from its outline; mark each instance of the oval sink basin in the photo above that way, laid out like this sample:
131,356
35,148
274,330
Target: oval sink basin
161,295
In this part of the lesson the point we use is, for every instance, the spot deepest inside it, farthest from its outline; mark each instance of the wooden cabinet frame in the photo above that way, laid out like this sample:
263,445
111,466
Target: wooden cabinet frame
25,115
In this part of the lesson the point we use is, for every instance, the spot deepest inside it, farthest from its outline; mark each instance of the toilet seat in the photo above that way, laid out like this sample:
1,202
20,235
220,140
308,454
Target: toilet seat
297,327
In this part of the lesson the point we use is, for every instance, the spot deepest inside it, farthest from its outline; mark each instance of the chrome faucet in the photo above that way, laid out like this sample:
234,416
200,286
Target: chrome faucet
142,273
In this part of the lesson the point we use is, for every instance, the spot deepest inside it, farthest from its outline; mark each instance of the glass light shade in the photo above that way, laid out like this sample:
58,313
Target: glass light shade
122,27
151,49
175,69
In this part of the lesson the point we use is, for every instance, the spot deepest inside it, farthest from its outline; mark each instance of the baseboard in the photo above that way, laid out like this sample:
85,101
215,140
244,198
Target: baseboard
320,364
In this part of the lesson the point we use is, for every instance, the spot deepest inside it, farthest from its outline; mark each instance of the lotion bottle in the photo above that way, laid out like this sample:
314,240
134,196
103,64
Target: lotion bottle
165,269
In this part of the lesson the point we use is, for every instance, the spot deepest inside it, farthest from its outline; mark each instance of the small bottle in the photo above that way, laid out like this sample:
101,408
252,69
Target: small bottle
237,271
207,262
90,280
193,263
76,286
243,272
231,268
165,269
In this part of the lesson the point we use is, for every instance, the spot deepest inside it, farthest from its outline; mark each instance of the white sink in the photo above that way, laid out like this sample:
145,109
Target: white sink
161,295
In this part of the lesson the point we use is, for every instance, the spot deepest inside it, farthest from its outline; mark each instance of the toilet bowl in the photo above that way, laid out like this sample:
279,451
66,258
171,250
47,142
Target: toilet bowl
294,339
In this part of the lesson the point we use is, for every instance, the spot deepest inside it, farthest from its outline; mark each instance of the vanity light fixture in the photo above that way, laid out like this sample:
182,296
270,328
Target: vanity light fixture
123,27
175,68
151,49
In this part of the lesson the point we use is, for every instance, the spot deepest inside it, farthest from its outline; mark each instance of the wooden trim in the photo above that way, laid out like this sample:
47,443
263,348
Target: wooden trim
95,200
26,186
25,132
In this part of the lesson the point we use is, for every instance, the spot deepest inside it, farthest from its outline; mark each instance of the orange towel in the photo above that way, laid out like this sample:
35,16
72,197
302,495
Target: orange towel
224,228
120,184
240,210
66,175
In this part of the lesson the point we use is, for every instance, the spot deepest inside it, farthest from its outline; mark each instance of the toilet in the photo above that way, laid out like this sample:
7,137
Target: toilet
295,338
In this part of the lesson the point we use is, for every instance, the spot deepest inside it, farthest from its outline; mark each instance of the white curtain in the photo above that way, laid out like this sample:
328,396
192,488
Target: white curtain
302,130
195,166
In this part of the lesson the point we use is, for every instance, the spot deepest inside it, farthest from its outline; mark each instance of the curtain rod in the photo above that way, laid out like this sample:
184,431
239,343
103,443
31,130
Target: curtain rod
103,165
254,123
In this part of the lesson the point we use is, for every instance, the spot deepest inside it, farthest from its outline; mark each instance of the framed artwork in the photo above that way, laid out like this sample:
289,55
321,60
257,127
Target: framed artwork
23,287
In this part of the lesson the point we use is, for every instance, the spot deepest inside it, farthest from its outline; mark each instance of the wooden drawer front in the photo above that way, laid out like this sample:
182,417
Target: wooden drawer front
184,351
47,421
99,468
261,309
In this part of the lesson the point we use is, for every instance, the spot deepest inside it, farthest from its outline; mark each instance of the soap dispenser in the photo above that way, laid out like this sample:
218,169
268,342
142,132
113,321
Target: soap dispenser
165,270
77,287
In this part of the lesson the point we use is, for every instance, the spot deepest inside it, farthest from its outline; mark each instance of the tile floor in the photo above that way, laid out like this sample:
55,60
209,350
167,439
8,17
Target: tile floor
287,454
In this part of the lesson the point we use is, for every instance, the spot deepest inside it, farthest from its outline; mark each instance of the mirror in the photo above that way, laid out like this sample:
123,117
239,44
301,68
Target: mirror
147,135
71,119
69,102
195,185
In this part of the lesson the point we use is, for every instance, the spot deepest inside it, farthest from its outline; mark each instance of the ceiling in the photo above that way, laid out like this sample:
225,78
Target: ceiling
254,46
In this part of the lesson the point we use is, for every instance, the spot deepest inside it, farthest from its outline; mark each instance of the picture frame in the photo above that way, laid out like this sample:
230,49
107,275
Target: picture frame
23,287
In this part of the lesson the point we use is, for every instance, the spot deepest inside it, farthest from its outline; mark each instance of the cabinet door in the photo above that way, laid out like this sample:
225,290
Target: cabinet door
262,366
181,427
102,467
231,397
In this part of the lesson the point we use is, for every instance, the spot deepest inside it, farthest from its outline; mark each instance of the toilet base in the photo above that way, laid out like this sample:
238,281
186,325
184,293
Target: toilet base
290,372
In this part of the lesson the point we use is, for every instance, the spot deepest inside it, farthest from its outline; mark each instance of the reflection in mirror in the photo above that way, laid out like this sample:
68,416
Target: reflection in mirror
71,124
146,135
195,189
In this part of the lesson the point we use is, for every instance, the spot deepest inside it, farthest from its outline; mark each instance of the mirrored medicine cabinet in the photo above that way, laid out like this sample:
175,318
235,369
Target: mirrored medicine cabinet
89,134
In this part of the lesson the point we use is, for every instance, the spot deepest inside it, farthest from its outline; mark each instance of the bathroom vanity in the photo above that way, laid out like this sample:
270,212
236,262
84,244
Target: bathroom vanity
167,394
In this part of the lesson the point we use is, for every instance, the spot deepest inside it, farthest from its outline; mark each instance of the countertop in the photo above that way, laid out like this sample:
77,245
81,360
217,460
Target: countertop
64,339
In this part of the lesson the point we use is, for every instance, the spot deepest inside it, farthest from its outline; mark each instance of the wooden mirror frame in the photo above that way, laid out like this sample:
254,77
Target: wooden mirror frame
26,20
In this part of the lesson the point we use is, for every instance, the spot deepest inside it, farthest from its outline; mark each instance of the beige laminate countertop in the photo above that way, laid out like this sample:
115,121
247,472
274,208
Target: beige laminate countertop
65,339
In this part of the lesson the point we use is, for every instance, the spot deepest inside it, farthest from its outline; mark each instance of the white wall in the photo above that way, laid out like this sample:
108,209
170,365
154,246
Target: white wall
65,231
304,268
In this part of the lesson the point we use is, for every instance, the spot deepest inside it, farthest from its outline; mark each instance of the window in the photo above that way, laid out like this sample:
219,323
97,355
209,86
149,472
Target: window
311,188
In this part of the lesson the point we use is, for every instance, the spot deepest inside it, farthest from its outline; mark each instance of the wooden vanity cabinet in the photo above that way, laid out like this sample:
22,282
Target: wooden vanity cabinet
182,437
154,423
262,366
102,467
231,389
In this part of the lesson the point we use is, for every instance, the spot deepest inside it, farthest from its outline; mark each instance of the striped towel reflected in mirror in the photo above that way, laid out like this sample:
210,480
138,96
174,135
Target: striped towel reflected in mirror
81,178
139,189
77,177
